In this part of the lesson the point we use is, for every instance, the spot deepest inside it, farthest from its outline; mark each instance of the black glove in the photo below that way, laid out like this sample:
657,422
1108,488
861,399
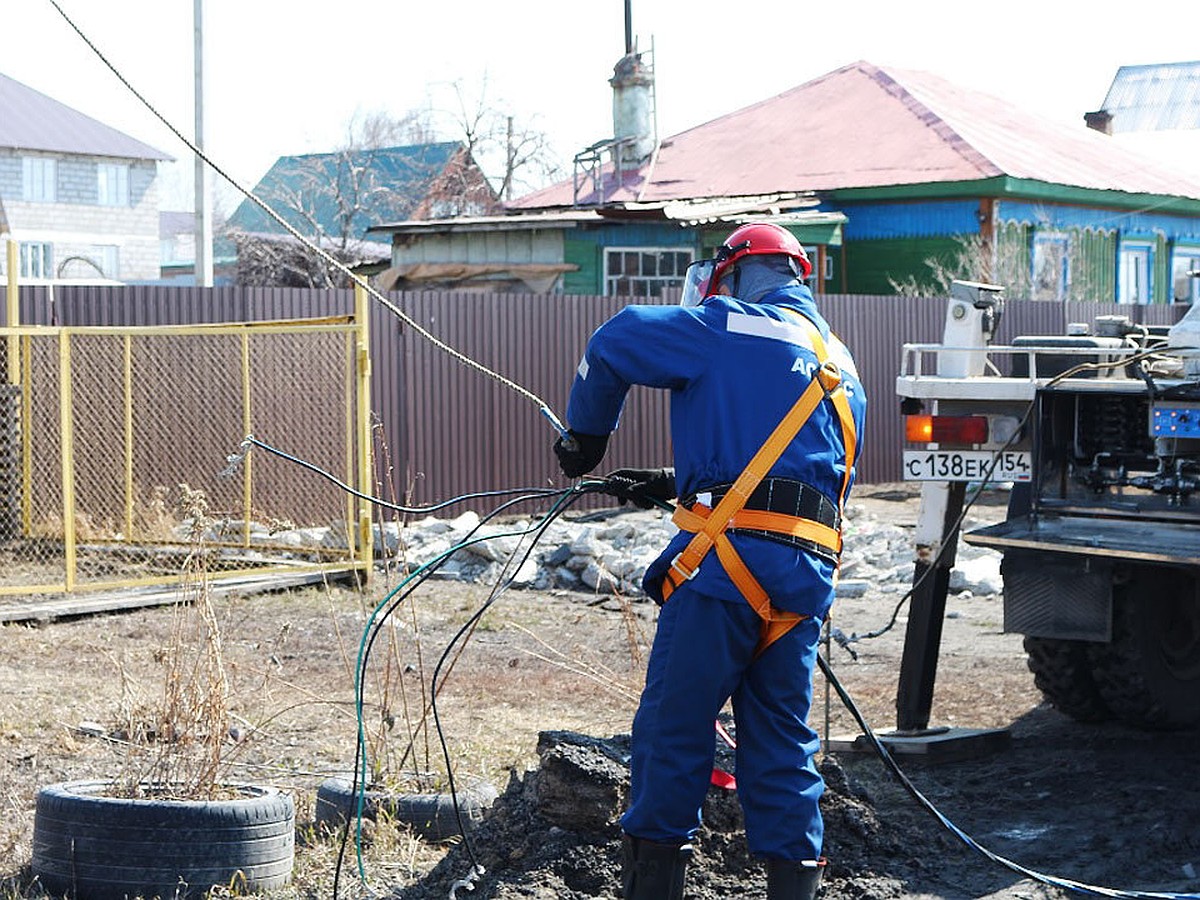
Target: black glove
641,487
581,453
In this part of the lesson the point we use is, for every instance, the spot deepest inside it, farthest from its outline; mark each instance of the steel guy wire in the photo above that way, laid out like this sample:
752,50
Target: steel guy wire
543,407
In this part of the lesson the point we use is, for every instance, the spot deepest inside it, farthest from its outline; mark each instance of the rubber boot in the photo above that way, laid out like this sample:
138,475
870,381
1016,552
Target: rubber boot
651,871
792,880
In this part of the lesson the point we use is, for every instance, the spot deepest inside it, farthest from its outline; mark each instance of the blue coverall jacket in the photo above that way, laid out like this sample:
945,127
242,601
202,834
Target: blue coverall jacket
734,370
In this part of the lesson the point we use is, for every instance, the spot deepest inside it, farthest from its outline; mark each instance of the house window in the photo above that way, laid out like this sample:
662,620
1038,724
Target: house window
643,271
1136,283
35,260
1051,267
1185,284
112,184
39,179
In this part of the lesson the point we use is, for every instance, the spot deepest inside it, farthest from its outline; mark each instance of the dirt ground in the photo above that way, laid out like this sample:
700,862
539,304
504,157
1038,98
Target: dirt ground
559,673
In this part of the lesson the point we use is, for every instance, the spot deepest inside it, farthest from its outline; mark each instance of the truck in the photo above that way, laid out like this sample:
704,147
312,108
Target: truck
1095,434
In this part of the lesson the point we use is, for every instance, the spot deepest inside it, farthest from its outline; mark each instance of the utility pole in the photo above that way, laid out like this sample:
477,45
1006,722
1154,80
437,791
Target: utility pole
204,226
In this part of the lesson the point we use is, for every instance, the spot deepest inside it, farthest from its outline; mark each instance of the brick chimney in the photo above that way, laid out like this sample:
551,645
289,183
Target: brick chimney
1100,120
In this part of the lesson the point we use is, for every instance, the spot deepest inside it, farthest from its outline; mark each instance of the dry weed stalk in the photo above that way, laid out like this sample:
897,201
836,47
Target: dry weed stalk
184,743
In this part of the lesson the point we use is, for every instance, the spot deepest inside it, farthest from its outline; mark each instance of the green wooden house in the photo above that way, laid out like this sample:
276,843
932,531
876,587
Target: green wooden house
895,180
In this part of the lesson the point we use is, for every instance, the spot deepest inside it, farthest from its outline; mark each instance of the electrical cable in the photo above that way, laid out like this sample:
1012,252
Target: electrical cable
468,626
844,640
392,602
1053,881
458,355
235,459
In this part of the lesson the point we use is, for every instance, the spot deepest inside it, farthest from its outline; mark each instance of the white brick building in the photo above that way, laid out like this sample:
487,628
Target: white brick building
79,198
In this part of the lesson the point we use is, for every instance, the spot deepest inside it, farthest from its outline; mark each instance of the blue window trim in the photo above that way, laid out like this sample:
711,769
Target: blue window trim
1137,242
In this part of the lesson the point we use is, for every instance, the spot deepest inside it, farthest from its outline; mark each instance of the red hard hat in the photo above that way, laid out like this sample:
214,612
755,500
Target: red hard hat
759,238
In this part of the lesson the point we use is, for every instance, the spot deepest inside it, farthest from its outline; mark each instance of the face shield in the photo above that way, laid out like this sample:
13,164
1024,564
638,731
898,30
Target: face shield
697,282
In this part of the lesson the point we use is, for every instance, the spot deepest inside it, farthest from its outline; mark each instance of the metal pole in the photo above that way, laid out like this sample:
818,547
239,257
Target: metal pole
941,505
204,225
363,421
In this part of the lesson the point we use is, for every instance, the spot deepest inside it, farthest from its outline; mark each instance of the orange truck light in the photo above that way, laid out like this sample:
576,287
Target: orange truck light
946,429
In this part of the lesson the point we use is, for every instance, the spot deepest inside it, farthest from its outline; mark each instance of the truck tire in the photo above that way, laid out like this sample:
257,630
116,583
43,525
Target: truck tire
1062,671
1149,674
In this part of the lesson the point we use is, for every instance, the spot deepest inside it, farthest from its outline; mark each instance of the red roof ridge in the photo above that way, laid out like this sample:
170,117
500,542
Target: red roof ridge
891,81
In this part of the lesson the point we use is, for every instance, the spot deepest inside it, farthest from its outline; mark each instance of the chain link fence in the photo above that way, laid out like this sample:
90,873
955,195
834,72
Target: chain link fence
115,448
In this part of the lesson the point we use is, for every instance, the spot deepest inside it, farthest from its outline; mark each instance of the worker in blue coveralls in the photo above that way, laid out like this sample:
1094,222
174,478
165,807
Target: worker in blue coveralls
766,414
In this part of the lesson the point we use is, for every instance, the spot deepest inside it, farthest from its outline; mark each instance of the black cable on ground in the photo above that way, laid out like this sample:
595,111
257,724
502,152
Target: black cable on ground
556,511
1053,881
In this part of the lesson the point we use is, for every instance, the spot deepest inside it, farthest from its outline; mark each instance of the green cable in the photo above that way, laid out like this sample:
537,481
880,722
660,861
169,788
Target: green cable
421,572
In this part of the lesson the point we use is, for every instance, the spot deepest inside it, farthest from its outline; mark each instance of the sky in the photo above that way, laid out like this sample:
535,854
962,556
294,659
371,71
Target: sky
285,78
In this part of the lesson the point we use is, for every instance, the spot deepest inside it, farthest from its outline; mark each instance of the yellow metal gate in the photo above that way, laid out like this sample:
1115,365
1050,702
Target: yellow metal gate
115,448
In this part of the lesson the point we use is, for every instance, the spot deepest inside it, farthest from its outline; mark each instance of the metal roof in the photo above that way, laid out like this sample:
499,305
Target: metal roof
1157,97
866,126
525,222
783,209
387,182
29,120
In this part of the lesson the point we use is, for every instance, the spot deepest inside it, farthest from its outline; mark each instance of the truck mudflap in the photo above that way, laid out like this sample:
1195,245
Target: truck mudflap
1175,543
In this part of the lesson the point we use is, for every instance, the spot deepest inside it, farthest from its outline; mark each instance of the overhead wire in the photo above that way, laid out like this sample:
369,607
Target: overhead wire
543,406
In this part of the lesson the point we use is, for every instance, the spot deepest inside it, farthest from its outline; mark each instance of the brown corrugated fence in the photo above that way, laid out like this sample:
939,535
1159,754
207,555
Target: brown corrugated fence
444,429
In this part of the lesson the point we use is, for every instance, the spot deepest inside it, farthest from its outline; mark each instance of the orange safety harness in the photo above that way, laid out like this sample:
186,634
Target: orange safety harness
708,526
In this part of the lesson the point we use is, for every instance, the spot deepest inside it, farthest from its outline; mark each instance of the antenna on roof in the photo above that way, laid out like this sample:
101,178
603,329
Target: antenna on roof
628,27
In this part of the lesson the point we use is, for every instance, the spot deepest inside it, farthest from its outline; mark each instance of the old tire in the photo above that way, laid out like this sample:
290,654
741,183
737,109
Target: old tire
1149,674
1062,671
430,816
93,847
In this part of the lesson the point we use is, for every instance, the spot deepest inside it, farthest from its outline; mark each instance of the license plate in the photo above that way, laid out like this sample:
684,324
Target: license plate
966,465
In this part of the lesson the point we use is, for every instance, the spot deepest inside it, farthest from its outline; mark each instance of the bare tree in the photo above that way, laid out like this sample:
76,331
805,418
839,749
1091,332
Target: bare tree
516,154
331,198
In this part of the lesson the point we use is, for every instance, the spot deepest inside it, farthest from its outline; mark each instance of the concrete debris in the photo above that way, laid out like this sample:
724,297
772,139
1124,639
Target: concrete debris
606,552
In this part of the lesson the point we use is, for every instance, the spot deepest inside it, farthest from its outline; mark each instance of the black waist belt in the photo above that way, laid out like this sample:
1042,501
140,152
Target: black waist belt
778,495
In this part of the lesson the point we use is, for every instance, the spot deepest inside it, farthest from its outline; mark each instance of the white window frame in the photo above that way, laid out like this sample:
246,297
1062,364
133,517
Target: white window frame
1045,283
35,259
39,179
1135,272
654,283
112,184
1189,257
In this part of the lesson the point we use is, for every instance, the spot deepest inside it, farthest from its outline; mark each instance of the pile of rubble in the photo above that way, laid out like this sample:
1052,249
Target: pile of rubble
605,552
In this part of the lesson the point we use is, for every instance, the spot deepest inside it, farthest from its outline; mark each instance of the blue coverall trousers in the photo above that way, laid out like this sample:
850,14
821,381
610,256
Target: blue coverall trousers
703,654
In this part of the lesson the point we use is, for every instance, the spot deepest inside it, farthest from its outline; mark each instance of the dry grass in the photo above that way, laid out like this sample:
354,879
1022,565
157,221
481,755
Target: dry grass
284,682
